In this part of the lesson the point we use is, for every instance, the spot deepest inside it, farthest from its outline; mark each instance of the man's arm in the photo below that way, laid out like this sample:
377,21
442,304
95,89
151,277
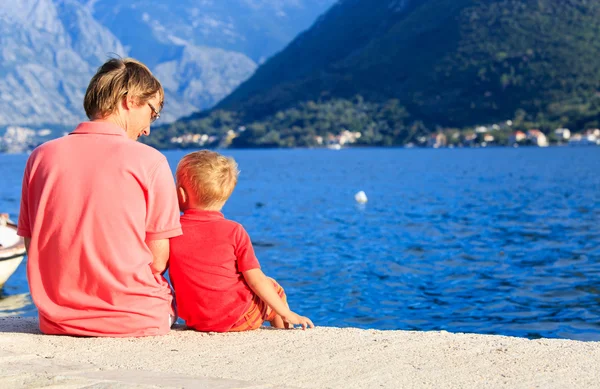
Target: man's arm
162,218
27,243
160,255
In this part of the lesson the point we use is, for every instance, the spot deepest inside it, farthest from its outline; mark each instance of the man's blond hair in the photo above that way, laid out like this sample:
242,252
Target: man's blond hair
116,78
207,176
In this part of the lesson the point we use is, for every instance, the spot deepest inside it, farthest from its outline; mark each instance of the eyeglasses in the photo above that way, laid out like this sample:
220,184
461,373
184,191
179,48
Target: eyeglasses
156,114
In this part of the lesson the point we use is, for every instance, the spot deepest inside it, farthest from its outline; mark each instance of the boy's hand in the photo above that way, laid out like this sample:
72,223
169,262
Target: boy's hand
263,287
295,319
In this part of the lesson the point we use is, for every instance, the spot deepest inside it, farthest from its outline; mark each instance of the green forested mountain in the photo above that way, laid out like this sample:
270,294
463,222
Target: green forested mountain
446,62
454,62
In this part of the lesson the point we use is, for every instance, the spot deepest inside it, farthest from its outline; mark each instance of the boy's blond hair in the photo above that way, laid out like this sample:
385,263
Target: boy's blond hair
207,176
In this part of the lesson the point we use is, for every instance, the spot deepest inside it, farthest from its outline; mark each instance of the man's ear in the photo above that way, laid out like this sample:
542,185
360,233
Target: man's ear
126,103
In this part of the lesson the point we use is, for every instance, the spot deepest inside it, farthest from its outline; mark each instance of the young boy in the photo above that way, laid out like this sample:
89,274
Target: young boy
217,279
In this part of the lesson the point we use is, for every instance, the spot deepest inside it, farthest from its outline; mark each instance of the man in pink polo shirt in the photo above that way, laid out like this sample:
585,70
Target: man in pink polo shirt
97,212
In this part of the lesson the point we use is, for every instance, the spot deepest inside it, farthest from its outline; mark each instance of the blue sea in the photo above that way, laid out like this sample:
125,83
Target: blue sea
493,241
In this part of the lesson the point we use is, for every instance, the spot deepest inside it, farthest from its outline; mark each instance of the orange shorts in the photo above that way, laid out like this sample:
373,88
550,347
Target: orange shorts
258,312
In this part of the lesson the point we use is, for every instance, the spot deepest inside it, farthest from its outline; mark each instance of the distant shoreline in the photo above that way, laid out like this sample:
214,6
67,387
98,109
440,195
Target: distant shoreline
354,148
378,147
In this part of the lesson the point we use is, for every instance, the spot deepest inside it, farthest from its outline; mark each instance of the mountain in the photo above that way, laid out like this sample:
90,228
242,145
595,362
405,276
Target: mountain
46,60
201,50
448,62
256,28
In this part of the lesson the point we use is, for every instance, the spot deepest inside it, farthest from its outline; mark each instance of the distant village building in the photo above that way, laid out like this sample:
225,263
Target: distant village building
516,137
200,139
437,140
537,138
562,133
343,138
346,137
470,139
595,132
228,138
587,139
488,138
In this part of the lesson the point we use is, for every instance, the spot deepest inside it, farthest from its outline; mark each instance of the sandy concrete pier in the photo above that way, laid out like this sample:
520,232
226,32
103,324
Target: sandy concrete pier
321,358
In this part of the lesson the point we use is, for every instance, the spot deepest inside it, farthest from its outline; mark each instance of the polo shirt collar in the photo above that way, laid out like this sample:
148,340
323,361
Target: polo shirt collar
202,215
100,128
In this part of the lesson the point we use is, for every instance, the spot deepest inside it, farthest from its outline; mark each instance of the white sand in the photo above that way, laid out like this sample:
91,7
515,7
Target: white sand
320,358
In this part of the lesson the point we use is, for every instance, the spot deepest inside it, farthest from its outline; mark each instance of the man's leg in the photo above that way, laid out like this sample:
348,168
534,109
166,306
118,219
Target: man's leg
173,314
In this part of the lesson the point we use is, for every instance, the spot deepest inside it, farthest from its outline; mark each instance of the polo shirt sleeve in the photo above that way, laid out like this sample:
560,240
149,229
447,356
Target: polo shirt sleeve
244,252
24,225
162,214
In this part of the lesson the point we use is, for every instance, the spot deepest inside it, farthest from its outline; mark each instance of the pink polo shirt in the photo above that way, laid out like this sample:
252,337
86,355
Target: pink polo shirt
89,202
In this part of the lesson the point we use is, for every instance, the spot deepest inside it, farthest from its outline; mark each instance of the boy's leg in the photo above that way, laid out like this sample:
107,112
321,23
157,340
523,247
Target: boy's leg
259,312
278,322
251,319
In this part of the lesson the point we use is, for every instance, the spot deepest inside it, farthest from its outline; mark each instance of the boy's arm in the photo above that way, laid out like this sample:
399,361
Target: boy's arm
263,287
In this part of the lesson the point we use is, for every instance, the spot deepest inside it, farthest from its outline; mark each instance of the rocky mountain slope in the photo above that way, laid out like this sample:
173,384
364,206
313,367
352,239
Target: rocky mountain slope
201,50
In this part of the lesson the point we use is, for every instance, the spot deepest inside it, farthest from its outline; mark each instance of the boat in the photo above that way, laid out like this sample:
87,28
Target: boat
12,249
13,305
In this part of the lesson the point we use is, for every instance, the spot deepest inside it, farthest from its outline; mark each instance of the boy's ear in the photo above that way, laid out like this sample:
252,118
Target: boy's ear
182,195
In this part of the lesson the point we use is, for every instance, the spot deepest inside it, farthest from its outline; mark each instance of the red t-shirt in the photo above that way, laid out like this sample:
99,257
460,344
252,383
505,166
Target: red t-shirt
206,265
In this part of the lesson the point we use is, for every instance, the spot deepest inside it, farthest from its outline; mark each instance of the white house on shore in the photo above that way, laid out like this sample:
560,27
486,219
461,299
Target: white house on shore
537,138
563,134
437,140
590,138
516,137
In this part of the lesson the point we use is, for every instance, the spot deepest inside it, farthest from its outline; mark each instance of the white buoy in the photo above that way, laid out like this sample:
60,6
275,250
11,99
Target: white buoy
360,197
